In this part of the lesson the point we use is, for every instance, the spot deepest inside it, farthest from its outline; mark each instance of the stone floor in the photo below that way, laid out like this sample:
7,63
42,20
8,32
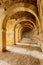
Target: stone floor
9,58
22,55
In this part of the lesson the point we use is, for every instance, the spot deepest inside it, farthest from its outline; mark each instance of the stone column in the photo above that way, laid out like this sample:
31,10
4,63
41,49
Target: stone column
4,40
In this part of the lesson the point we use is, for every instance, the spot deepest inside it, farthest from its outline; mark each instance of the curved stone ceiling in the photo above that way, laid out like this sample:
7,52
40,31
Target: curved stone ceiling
22,14
21,9
27,23
8,3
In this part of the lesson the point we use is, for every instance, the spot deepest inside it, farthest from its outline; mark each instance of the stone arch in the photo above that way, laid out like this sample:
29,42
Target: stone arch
17,9
18,21
23,20
9,14
17,28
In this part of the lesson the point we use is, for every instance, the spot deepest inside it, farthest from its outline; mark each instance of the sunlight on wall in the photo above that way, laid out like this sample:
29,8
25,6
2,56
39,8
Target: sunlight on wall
9,33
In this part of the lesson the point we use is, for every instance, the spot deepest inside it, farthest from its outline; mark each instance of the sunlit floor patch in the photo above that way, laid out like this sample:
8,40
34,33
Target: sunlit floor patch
35,54
3,63
25,44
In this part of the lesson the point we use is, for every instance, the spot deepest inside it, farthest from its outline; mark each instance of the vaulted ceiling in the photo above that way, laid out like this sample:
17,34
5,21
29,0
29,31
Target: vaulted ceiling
8,3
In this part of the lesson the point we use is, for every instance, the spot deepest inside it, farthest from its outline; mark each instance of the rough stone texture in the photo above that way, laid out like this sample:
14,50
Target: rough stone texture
15,58
18,59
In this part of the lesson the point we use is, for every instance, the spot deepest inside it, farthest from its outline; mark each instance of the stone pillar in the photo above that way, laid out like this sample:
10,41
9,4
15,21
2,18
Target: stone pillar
4,40
14,38
20,37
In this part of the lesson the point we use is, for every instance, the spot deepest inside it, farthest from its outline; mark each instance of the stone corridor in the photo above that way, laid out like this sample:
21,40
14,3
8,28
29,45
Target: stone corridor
21,32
